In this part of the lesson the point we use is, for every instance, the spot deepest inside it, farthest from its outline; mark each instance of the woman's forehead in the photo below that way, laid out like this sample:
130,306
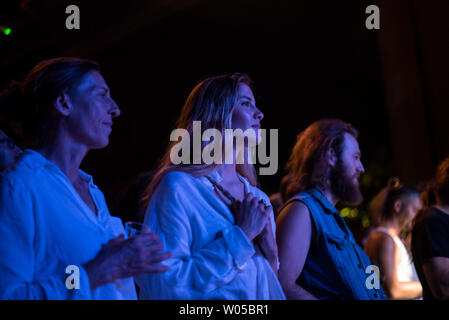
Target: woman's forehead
92,80
245,91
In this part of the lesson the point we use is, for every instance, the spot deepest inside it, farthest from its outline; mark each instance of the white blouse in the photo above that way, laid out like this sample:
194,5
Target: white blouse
45,226
211,256
406,269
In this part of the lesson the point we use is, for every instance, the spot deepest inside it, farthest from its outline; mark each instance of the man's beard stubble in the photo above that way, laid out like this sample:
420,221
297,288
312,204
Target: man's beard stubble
343,186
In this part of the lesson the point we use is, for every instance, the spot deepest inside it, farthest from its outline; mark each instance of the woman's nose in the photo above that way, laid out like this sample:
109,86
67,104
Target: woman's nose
115,110
259,114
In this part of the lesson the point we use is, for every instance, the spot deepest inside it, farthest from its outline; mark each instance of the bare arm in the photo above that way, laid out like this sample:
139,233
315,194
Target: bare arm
436,272
294,234
268,245
382,249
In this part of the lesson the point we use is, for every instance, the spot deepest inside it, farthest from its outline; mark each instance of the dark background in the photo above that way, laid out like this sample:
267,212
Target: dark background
308,59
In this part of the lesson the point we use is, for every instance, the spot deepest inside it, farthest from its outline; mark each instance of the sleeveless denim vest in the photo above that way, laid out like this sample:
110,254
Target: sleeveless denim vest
335,266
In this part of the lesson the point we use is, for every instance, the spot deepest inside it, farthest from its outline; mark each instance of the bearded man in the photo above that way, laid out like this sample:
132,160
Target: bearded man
319,258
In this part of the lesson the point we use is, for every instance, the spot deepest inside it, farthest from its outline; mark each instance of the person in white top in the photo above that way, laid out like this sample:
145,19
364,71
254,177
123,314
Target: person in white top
393,210
57,238
218,225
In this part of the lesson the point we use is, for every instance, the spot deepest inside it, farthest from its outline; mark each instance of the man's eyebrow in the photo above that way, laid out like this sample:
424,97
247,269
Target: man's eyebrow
245,97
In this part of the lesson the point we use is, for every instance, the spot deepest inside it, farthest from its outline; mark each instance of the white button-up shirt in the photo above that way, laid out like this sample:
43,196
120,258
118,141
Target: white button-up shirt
45,226
211,256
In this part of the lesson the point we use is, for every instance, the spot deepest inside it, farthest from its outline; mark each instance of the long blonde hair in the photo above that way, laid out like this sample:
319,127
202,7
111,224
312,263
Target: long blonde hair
211,102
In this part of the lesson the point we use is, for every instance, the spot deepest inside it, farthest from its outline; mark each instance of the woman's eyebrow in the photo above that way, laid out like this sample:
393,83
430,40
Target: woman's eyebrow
97,87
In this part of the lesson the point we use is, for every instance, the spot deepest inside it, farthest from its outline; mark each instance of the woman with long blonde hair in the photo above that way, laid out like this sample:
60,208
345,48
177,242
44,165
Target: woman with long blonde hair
212,217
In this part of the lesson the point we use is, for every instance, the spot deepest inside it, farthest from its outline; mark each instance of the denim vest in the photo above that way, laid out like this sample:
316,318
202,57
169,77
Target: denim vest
335,266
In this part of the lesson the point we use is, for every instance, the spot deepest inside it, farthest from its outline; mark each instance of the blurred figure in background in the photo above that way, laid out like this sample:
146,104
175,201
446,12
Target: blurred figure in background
130,206
428,196
365,236
427,200
9,152
430,240
393,210
10,129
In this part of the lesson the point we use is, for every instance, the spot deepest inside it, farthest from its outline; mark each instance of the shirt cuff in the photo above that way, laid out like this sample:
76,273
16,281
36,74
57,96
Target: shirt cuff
238,244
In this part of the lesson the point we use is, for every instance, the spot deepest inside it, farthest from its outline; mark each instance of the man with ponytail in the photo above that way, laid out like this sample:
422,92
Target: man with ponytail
319,257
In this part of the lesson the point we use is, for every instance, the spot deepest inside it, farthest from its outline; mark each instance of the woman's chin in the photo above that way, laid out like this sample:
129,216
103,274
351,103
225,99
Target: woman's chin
99,144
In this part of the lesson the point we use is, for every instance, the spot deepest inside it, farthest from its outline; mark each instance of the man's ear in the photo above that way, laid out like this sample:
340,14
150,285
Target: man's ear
63,104
331,157
397,206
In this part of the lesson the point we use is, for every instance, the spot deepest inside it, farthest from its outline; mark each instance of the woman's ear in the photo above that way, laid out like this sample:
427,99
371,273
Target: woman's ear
63,104
331,157
397,206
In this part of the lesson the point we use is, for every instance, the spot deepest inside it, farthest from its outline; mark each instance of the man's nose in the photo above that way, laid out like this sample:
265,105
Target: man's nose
361,168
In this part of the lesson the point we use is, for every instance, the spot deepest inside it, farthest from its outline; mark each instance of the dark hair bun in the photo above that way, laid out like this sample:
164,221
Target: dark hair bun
394,182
